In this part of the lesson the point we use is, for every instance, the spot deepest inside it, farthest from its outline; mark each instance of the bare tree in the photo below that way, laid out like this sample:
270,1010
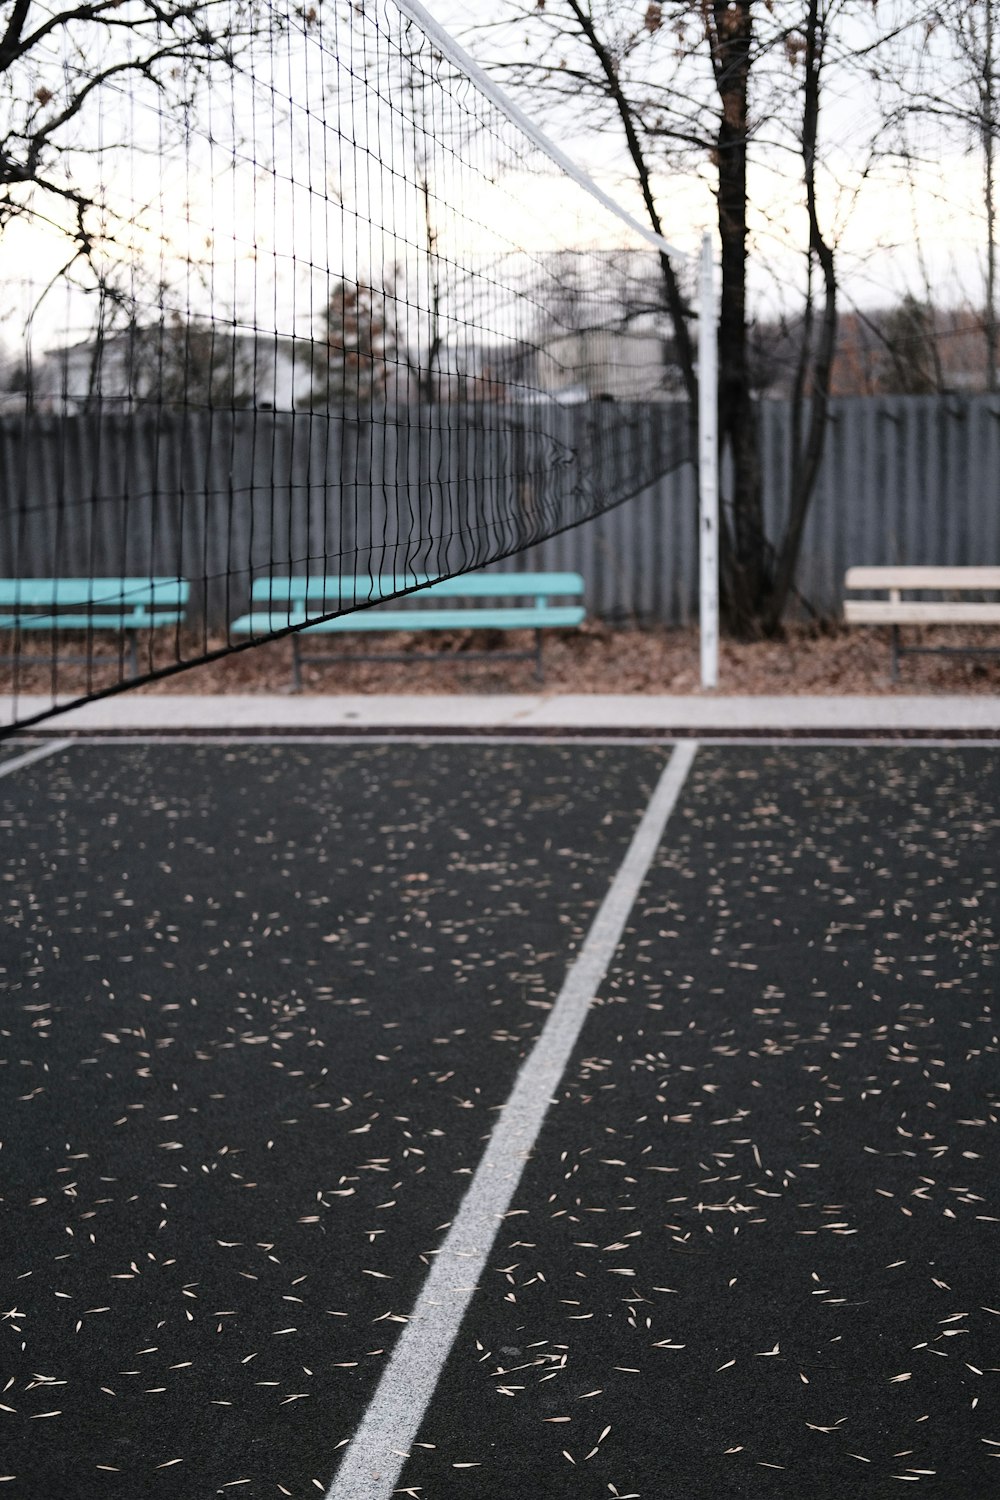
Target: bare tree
818,343
989,97
74,79
952,85
425,289
707,86
47,103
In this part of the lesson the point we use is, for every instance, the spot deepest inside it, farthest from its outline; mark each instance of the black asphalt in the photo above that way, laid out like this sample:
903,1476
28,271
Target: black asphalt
14,749
262,1004
757,1252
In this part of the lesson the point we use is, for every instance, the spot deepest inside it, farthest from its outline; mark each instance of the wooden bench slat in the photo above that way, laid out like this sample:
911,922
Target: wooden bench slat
47,593
897,610
293,603
917,612
334,589
109,606
967,579
137,620
554,617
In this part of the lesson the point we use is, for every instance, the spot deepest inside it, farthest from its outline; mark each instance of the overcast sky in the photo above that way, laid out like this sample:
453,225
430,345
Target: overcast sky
895,232
267,242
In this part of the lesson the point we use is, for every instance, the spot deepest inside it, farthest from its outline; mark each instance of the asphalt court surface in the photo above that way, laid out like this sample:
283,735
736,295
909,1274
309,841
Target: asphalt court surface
14,749
264,1003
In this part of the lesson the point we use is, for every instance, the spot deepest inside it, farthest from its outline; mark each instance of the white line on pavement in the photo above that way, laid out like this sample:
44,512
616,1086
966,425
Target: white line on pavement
51,747
377,1452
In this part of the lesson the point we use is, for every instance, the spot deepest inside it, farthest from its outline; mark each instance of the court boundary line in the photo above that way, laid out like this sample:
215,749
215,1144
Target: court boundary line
380,1446
704,734
664,739
38,752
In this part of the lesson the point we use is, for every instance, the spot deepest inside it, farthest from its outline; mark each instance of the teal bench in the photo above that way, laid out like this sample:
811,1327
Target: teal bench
471,601
122,606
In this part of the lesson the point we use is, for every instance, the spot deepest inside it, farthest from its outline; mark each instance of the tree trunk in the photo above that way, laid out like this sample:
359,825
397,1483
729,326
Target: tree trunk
745,573
989,148
427,380
807,438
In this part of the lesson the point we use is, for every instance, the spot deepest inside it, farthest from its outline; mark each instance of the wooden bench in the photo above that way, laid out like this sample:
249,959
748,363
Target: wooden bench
123,606
468,601
896,611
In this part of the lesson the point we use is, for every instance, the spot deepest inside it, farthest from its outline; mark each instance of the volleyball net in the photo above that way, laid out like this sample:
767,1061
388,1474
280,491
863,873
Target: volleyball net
296,292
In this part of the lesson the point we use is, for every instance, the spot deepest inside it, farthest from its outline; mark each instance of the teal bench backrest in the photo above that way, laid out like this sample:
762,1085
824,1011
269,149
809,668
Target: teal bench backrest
106,593
337,588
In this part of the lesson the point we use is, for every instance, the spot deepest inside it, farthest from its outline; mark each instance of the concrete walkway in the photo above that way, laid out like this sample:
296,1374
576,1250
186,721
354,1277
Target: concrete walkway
529,714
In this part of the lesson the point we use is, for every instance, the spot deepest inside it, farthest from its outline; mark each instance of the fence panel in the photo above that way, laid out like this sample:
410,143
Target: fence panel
224,496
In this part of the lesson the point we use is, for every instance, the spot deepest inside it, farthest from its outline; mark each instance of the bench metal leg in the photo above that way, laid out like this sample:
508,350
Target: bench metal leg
133,653
539,670
296,664
895,653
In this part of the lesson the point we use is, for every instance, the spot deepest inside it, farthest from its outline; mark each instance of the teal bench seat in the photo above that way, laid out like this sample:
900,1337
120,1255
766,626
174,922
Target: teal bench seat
118,606
491,601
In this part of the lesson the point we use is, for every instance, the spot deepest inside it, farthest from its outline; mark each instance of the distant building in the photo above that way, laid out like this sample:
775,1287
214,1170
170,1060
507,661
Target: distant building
181,364
199,367
907,349
609,364
176,365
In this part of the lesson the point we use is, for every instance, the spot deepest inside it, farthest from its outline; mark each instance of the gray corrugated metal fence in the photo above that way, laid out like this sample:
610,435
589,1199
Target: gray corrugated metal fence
904,479
223,498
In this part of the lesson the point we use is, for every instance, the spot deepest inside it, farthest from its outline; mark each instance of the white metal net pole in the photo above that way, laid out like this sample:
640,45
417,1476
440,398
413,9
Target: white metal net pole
708,468
457,54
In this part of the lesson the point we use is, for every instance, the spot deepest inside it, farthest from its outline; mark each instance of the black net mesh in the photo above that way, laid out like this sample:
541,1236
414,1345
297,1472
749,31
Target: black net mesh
286,296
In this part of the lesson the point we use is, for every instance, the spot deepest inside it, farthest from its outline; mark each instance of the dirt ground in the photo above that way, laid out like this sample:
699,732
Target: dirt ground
597,658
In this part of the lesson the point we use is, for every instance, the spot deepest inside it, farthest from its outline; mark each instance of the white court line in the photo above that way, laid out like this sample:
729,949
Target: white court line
583,739
51,747
353,741
375,1457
